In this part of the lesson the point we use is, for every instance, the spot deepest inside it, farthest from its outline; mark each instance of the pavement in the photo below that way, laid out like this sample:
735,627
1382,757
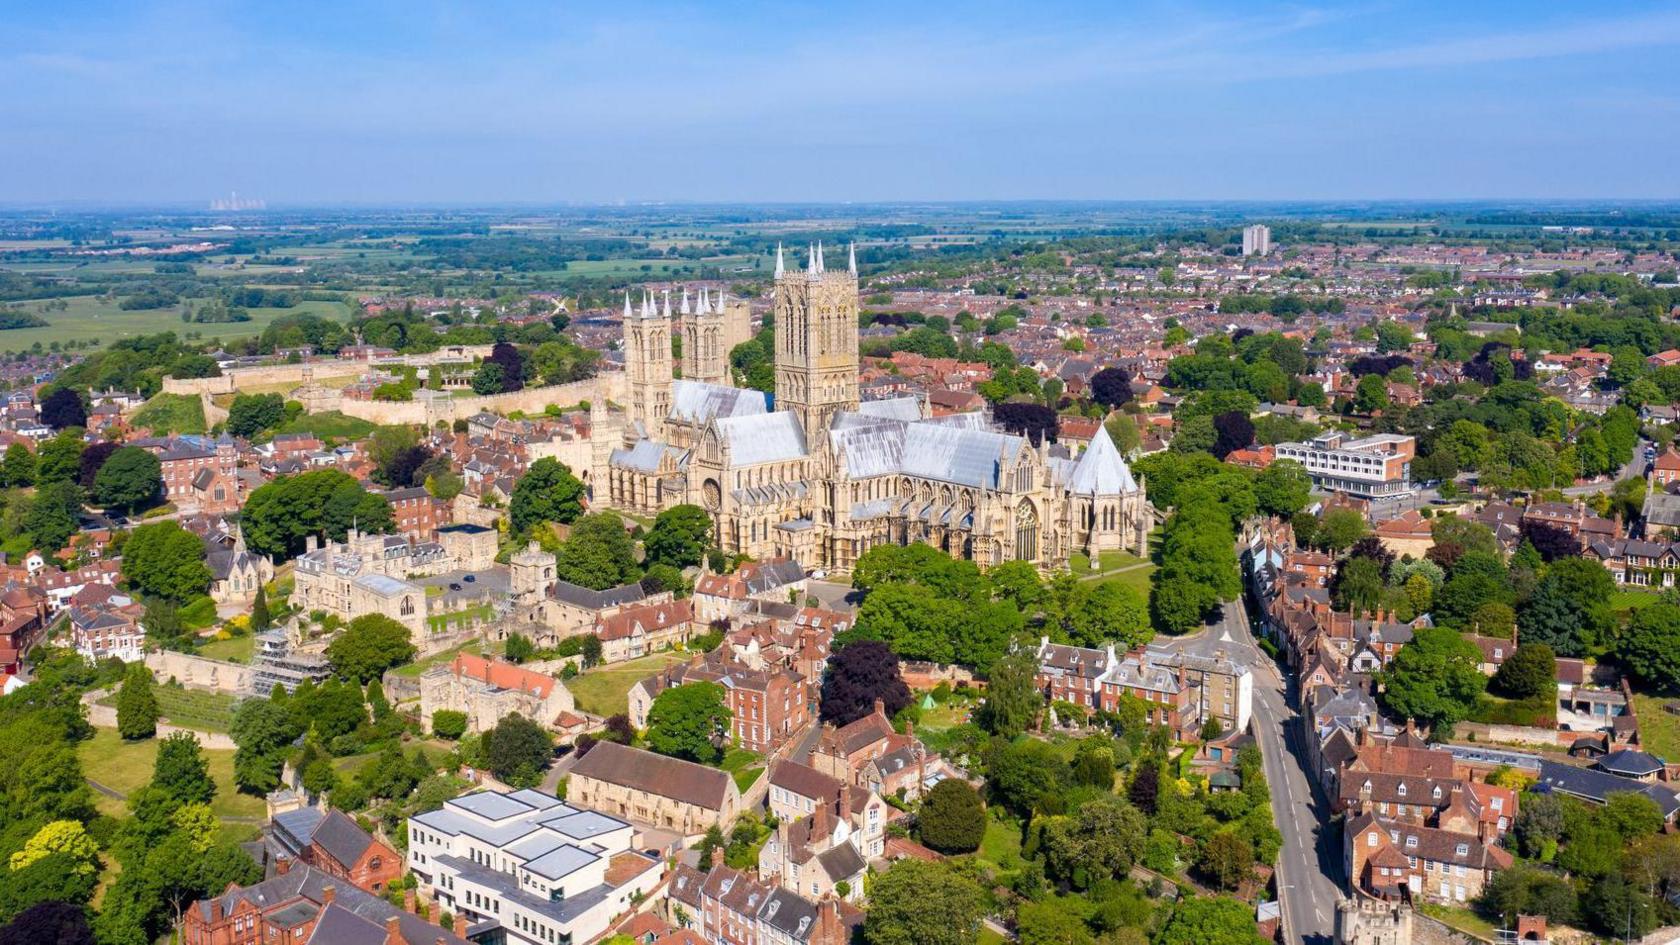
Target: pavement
1309,866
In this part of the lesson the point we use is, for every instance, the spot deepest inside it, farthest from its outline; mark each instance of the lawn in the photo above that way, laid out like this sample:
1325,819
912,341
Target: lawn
1001,846
1659,731
171,413
127,766
605,690
191,708
1459,917
1626,599
234,649
1119,567
100,320
330,426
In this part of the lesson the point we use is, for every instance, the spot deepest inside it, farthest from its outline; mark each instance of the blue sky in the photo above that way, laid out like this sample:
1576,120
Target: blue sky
429,102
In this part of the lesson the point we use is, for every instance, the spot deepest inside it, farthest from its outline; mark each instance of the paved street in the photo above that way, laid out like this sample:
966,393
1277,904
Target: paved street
1309,874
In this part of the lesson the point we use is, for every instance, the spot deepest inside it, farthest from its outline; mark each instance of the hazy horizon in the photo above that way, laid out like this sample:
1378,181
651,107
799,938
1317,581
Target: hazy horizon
530,105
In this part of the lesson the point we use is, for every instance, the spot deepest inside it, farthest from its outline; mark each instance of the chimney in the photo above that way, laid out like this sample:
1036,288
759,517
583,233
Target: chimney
717,856
327,894
393,930
460,925
409,901
845,801
216,911
880,707
282,865
310,543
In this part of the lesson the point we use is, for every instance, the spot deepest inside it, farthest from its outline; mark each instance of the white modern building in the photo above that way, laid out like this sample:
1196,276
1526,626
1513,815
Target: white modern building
540,870
1257,240
1376,467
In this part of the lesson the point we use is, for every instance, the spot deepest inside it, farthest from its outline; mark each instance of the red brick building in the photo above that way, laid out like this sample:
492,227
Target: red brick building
305,906
417,514
335,845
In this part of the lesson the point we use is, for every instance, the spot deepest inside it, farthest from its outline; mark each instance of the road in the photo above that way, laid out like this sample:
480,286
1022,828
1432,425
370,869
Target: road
1309,872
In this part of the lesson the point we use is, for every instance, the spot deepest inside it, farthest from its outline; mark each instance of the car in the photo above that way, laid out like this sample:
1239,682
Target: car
454,586
469,578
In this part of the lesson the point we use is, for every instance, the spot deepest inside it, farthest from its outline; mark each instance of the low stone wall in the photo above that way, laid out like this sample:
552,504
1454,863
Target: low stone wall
1509,734
105,716
198,672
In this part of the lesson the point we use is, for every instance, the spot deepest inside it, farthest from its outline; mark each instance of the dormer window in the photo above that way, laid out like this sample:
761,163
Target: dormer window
1411,842
1402,789
1462,849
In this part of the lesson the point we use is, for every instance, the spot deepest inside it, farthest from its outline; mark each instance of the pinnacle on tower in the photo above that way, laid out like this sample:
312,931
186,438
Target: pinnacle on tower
684,310
811,258
779,267
851,258
705,304
820,267
667,313
627,312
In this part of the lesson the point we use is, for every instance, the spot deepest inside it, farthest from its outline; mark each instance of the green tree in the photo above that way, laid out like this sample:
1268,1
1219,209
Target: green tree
1101,842
1283,488
19,466
131,479
1434,678
181,770
599,553
1340,528
1651,645
251,414
920,903
372,644
687,722
517,750
952,818
1371,395
1529,671
679,537
260,618
1013,699
165,560
1102,612
137,706
1570,612
448,723
488,379
60,458
548,492
262,733
63,837
325,503
1056,920
1227,859
55,515
1210,921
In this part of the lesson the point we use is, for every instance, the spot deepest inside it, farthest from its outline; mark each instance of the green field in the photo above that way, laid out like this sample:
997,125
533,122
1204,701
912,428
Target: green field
329,426
1659,730
171,413
1626,599
233,649
125,767
97,319
417,667
190,708
605,690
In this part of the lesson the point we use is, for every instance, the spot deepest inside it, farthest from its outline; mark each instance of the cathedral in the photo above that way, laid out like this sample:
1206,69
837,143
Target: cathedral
815,475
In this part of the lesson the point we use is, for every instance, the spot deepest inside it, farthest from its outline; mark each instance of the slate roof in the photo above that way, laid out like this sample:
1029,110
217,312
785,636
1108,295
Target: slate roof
341,838
1630,763
762,438
1100,470
655,774
1595,786
698,402
311,883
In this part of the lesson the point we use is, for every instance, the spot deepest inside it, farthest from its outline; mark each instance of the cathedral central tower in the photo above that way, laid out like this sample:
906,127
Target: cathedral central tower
816,315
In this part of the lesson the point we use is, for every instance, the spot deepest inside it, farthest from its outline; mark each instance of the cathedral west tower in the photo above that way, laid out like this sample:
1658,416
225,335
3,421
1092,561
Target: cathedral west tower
816,315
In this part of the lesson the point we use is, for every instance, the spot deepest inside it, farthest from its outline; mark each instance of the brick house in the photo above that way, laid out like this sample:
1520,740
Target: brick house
417,515
333,843
1390,859
306,906
637,631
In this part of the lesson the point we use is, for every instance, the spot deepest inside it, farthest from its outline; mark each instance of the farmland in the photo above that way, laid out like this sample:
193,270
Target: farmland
92,318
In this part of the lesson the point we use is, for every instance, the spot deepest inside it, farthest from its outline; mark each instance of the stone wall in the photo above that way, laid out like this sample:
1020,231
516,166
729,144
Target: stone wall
1427,931
197,672
1510,734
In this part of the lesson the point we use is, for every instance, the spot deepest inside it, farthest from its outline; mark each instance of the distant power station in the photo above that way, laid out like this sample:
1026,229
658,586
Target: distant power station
1257,240
235,202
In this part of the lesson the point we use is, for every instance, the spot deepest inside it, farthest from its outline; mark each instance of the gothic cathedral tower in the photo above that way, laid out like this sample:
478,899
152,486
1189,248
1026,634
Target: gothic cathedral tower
647,364
816,343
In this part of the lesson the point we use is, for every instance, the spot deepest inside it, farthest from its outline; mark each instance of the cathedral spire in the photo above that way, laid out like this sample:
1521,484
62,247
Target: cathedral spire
684,310
811,258
779,267
705,301
667,311
820,267
851,258
627,312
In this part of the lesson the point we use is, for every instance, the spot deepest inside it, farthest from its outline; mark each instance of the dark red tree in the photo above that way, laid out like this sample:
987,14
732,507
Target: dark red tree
1552,541
513,366
1112,387
857,675
48,923
63,408
1033,421
1232,431
94,457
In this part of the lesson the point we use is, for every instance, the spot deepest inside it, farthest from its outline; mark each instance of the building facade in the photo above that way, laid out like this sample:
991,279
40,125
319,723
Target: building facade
1374,467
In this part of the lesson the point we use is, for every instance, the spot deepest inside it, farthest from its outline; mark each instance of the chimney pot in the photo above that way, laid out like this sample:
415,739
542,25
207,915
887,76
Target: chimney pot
327,894
282,865
717,856
460,925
